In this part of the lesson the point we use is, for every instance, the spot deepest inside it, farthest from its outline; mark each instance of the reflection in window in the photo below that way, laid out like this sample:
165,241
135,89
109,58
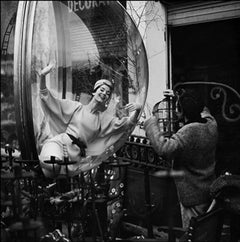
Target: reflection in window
8,120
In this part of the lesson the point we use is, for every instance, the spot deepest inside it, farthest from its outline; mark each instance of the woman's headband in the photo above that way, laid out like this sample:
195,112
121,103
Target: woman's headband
103,82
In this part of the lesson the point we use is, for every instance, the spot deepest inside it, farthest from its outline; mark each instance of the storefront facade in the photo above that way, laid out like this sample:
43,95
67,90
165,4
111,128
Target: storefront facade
195,43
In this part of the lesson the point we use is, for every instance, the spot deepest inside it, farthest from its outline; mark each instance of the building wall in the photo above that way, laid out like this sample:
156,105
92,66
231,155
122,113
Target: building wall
151,22
156,45
152,27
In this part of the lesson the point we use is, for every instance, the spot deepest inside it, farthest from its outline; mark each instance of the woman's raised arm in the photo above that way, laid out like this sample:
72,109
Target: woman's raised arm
42,73
131,107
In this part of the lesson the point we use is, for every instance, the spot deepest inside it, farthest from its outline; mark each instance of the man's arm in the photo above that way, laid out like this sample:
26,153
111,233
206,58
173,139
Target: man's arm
164,146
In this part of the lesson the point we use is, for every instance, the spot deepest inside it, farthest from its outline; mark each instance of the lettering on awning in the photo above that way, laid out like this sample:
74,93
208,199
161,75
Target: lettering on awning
75,6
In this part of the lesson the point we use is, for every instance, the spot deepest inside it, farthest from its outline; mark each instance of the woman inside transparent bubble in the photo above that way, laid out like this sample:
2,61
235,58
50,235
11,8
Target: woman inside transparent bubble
81,132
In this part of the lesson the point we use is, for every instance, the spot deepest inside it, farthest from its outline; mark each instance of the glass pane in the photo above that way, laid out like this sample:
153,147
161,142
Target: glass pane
87,41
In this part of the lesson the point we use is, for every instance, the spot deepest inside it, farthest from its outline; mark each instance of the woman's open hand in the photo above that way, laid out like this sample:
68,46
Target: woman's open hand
47,69
133,106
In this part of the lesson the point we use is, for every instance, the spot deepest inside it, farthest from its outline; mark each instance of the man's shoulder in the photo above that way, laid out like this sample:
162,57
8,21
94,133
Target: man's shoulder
192,128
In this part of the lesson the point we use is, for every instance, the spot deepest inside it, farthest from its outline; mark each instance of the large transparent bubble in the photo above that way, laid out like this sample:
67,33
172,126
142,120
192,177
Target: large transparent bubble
87,41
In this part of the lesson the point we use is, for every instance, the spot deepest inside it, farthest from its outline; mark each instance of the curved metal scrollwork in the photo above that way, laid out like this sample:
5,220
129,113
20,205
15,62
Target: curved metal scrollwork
230,110
233,109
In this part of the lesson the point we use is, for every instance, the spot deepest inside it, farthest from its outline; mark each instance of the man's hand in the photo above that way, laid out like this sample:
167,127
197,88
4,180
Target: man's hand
168,93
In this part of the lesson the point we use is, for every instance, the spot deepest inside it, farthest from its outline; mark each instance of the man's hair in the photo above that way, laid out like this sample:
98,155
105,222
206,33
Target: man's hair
191,103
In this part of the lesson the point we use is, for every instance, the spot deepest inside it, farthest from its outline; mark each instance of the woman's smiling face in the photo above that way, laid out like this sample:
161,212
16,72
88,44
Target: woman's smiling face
102,93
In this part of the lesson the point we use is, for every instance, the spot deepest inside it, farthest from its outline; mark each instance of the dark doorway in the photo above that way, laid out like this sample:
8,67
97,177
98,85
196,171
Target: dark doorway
210,52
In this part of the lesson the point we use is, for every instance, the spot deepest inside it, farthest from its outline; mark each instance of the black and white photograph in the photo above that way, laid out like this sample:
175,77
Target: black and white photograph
120,121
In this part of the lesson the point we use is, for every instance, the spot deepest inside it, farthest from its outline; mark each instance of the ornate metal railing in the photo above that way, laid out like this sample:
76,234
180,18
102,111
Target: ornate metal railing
138,151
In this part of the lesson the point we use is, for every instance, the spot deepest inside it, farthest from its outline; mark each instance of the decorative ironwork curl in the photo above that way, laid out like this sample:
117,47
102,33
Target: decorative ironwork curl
234,109
216,93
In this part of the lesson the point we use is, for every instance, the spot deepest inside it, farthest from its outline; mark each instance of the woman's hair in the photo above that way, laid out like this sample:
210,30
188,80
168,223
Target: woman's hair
101,82
191,103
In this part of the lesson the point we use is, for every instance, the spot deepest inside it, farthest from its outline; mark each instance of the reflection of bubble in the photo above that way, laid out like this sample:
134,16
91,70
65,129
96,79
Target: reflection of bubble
88,44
